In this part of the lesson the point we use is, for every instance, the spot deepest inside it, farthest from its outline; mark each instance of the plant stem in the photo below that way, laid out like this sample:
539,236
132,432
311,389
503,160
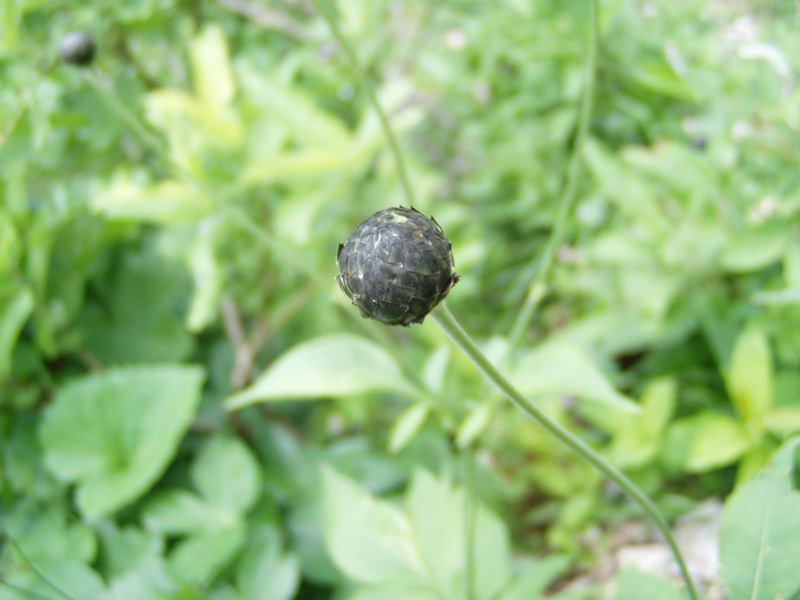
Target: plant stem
448,323
537,288
373,97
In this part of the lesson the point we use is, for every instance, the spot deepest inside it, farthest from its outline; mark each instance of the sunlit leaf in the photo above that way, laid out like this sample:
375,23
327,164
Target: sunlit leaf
331,366
562,369
113,433
760,533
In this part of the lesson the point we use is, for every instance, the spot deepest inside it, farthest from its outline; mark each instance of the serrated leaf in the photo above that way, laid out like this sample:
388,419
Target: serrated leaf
760,534
331,366
562,369
750,375
114,433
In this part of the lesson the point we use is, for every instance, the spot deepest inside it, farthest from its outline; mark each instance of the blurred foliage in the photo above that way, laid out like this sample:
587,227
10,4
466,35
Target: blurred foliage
189,408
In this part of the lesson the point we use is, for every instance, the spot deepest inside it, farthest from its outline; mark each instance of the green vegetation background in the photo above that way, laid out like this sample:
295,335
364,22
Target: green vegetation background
189,408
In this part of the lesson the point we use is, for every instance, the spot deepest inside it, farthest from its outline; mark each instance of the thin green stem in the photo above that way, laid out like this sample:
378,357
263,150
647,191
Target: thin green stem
470,515
538,286
447,322
373,97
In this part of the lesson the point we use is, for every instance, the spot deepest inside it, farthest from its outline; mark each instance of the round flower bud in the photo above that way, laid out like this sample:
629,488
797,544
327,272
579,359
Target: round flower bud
397,266
77,48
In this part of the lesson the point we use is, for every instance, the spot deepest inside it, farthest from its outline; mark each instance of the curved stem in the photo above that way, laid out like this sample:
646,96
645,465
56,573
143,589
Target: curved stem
536,290
373,97
445,319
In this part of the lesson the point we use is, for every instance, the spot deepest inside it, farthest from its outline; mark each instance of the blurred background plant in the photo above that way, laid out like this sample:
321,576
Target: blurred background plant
159,271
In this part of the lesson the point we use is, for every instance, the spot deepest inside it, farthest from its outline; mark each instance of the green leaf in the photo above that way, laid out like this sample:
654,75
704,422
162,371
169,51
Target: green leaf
395,592
711,441
750,375
474,424
227,474
369,540
436,510
126,549
760,533
635,585
338,365
114,433
211,70
128,322
783,420
265,572
637,439
562,369
408,425
201,556
754,249
179,511
166,203
16,306
534,581
72,578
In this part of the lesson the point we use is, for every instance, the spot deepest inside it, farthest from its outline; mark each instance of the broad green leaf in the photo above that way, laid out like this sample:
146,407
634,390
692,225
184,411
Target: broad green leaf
750,375
226,473
635,585
754,249
338,365
127,548
149,581
114,433
199,557
178,511
127,322
533,582
714,440
408,425
395,592
15,308
211,71
783,420
562,369
371,541
760,533
436,510
72,578
265,571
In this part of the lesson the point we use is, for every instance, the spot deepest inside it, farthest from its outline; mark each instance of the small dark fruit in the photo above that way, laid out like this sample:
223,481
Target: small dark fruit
77,48
397,266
